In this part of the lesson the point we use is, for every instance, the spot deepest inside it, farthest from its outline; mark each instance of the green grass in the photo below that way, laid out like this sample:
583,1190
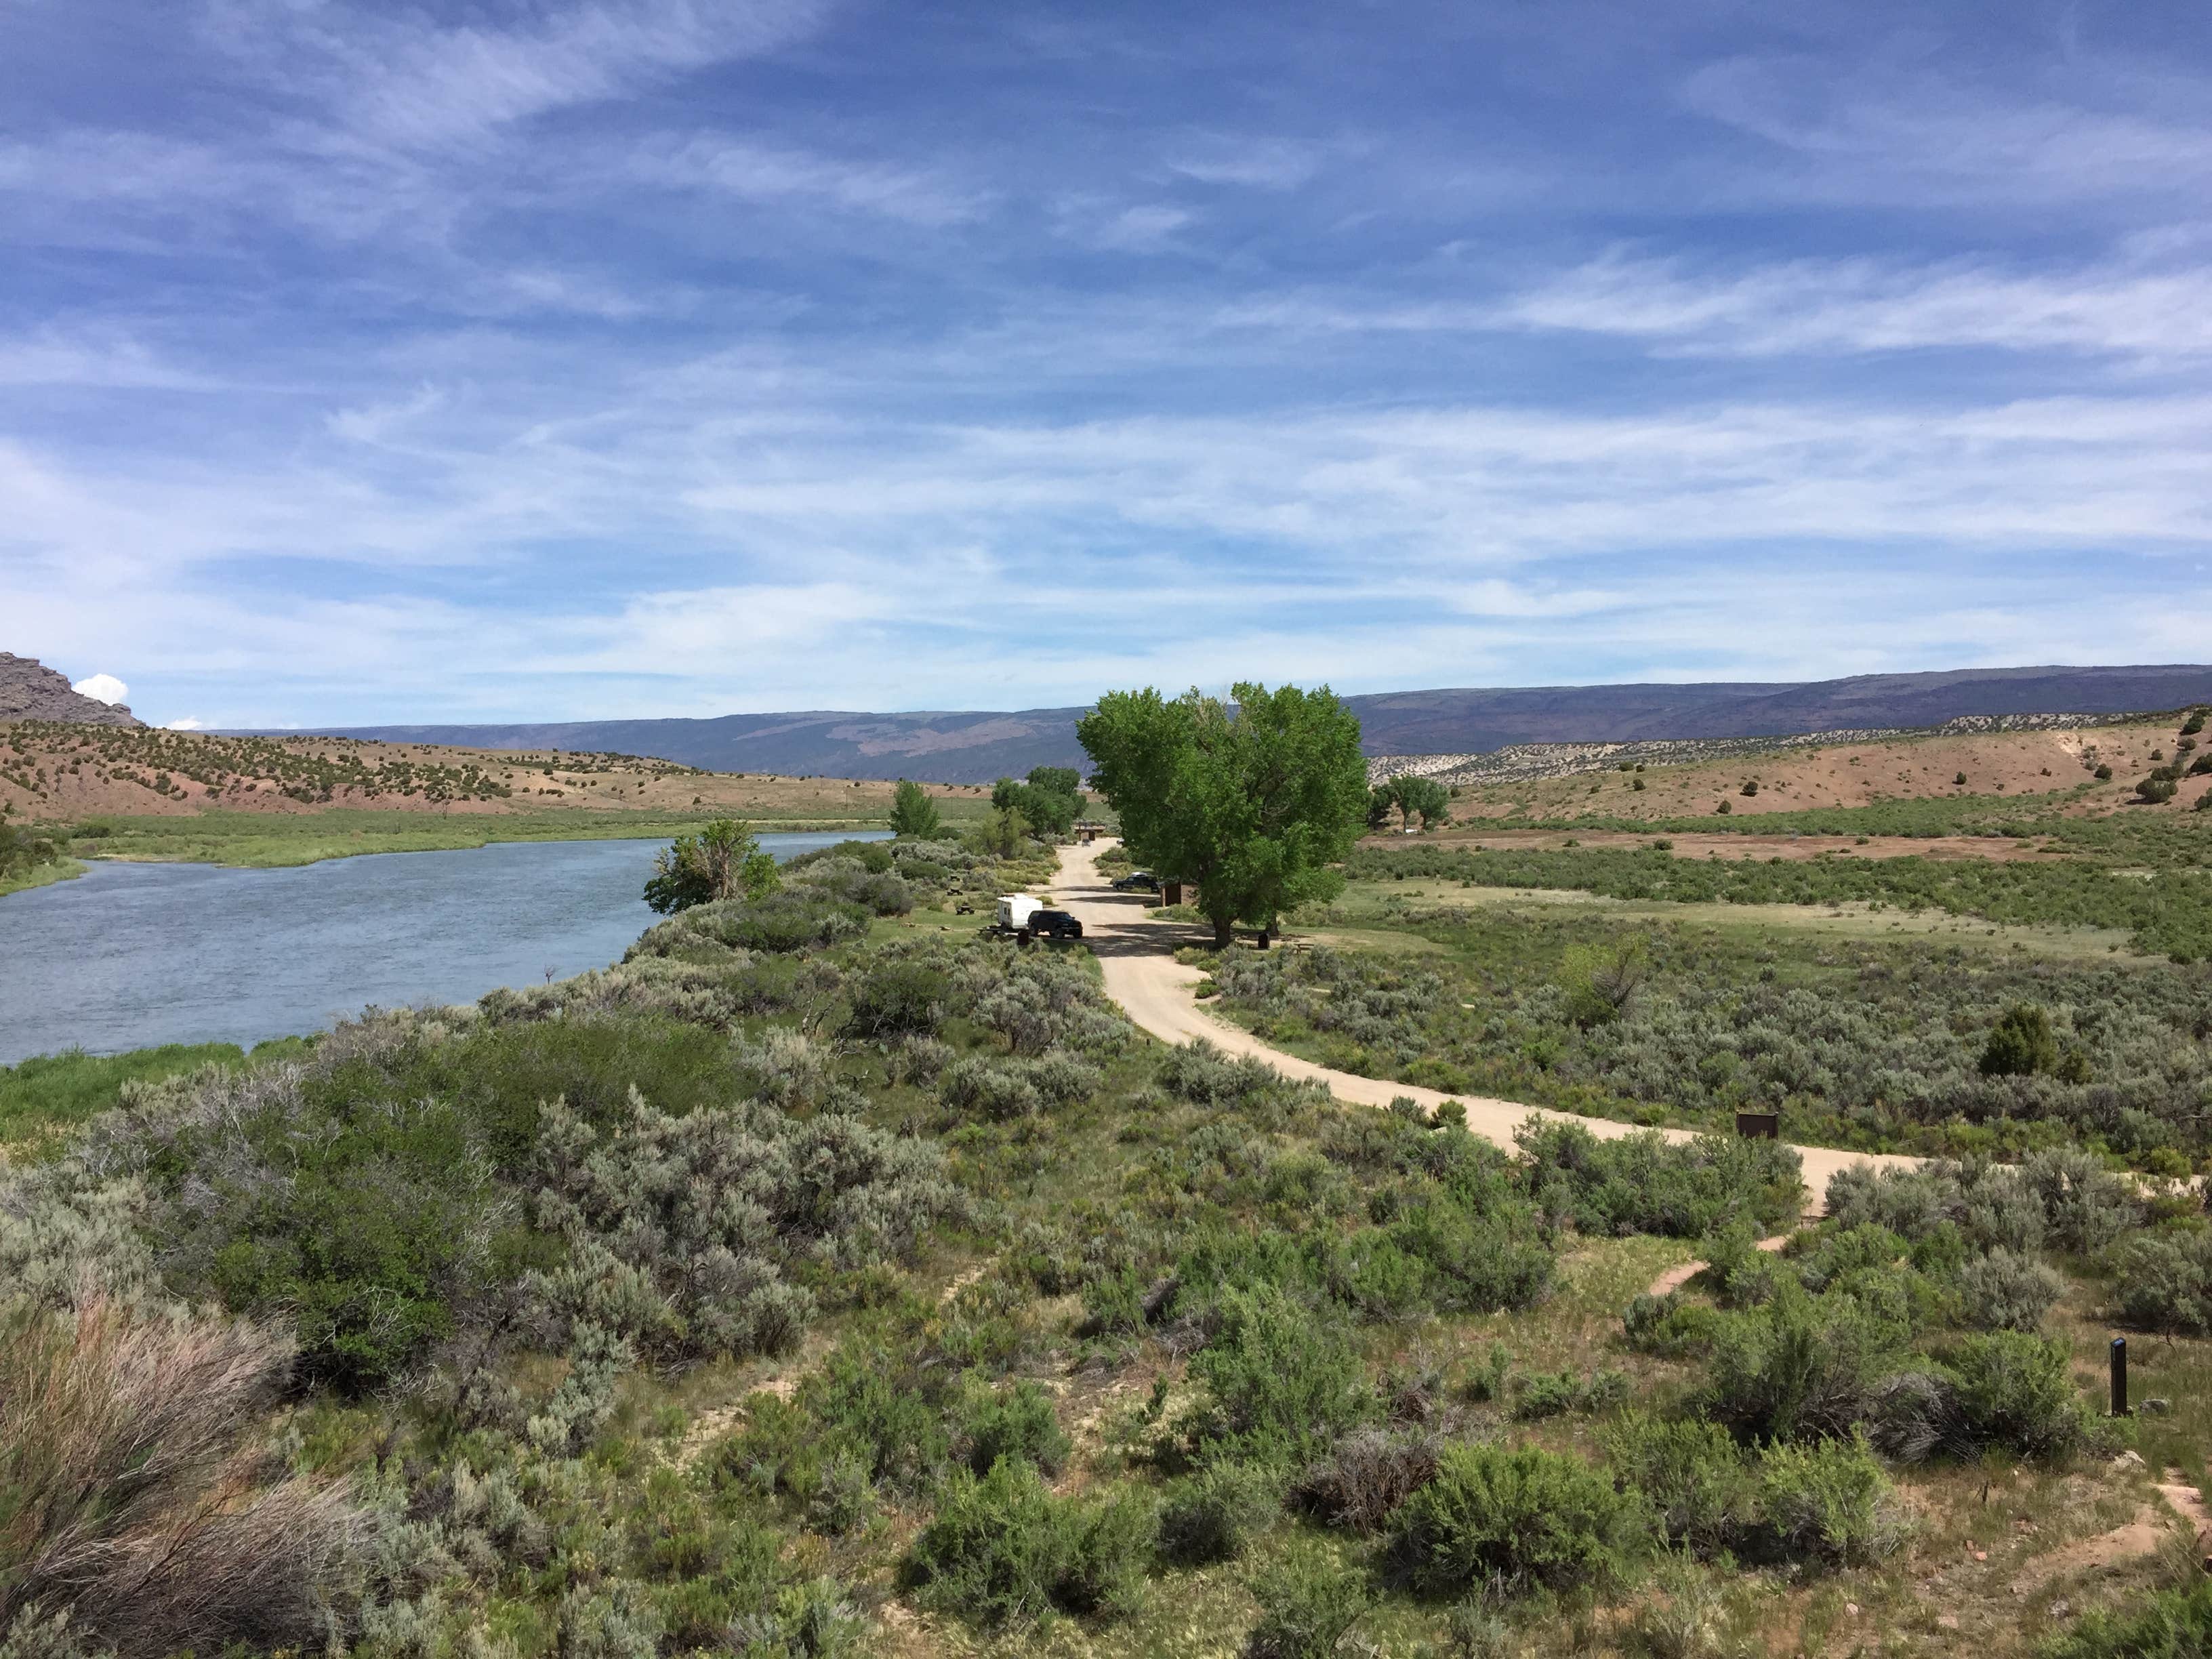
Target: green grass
259,841
2160,837
55,1091
41,875
2167,910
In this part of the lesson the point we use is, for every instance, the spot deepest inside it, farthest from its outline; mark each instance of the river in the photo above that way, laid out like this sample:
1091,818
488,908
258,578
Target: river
128,956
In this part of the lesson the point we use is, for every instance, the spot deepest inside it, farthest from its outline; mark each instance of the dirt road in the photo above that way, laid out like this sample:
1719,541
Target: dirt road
1138,957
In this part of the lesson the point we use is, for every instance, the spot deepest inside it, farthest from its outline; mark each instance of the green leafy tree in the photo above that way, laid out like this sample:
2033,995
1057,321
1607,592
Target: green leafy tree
913,813
1001,833
1424,797
758,876
1381,801
1254,801
720,861
1049,799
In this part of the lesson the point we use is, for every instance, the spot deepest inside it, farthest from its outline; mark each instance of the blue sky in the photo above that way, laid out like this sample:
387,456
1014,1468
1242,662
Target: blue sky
372,362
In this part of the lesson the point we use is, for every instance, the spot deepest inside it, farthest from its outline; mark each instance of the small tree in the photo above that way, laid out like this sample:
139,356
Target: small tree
720,861
1002,832
914,815
1424,796
1049,799
2020,1043
1381,801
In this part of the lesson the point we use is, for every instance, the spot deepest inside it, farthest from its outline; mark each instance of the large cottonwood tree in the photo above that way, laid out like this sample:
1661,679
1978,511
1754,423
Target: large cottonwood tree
1254,800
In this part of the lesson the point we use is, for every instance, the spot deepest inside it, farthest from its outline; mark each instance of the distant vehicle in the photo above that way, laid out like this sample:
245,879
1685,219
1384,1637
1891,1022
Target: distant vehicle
1137,881
1023,918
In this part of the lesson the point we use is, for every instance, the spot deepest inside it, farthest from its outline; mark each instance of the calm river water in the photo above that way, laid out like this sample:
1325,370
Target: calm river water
131,955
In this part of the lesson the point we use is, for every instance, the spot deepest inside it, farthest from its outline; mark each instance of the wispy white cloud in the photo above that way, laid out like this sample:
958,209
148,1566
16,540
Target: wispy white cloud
1896,133
748,170
1256,163
1827,306
401,78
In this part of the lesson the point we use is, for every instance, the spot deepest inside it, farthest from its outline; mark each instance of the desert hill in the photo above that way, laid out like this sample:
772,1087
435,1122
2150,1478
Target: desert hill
53,770
29,690
976,746
1864,769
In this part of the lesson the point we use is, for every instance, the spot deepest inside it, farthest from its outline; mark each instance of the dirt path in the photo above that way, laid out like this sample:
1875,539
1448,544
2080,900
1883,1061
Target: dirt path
1137,955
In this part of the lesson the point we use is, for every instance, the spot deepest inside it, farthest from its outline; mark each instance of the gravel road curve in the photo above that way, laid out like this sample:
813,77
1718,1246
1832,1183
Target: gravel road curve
1137,954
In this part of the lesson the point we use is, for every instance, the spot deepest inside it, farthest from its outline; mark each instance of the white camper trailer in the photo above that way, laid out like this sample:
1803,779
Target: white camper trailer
1015,911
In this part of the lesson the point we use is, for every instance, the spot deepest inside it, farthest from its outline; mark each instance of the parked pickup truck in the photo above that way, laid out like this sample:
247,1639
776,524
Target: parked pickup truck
1025,918
1137,881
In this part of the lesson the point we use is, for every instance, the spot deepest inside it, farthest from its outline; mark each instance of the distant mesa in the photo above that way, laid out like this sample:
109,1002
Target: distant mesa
29,690
976,746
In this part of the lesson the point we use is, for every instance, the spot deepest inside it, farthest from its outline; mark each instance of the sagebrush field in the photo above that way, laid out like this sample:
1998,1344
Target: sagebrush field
824,1278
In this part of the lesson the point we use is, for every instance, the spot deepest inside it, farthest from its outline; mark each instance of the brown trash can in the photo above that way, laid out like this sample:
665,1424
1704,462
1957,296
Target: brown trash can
1758,1126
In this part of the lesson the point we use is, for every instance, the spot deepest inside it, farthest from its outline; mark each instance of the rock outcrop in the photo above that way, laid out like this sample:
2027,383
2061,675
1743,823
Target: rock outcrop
29,690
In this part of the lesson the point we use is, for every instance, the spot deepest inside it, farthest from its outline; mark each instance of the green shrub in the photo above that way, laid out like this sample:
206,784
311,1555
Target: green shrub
1739,1274
1831,1502
1017,1422
868,1399
896,998
1801,1368
1540,1395
1480,1263
2086,1206
997,1090
1214,1514
796,919
2174,1623
1307,1604
2021,1044
1671,1326
1003,1550
1279,1377
1700,1488
2005,1290
1527,1517
1201,1074
1645,1183
2017,1391
1838,1254
2164,1283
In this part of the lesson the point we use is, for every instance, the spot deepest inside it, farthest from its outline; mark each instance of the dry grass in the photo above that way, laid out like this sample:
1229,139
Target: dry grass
131,1496
1843,774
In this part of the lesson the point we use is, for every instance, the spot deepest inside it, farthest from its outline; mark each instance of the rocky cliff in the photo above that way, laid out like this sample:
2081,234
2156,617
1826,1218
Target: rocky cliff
29,690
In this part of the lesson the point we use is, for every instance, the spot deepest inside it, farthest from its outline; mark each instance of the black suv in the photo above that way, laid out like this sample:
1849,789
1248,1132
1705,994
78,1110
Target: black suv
1140,881
1054,923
